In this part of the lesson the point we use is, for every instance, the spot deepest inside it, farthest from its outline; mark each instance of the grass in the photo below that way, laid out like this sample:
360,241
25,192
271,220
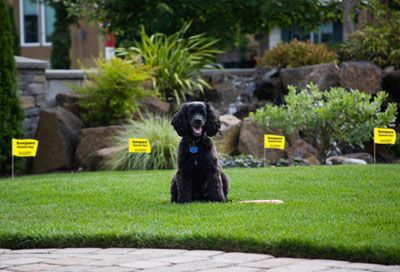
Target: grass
338,212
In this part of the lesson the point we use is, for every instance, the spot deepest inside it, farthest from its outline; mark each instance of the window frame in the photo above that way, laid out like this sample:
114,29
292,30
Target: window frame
41,25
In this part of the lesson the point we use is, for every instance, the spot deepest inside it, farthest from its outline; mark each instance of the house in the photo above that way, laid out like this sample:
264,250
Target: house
329,33
34,20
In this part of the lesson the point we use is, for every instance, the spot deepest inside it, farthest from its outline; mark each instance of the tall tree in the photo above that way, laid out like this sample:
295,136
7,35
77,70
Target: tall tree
348,22
11,113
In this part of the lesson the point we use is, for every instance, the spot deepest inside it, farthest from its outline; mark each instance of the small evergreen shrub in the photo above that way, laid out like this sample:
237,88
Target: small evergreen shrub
336,115
378,42
163,140
177,60
113,92
11,112
296,54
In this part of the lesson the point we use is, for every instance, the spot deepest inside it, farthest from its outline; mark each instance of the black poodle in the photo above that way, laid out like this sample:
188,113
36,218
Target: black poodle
199,175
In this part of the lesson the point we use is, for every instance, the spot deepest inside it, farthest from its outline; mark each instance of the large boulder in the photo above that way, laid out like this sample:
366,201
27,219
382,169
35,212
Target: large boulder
96,159
251,141
323,75
69,101
360,156
154,105
58,135
302,152
335,160
391,84
92,140
227,138
361,75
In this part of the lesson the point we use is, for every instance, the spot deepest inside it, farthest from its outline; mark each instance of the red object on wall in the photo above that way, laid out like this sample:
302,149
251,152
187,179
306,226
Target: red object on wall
110,42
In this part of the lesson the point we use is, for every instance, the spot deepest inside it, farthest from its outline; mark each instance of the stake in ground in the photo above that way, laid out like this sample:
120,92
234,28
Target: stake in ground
339,212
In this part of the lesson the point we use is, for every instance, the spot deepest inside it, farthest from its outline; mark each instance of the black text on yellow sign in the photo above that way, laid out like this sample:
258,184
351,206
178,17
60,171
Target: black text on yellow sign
274,141
139,145
24,147
384,136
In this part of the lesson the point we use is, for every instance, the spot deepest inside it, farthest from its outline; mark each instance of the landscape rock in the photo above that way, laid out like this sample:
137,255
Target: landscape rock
97,158
92,140
155,106
58,136
391,84
227,138
270,89
335,160
323,75
302,152
361,155
251,141
69,101
361,75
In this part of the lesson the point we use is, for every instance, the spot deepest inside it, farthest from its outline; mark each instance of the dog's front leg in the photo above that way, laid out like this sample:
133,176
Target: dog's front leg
214,182
184,187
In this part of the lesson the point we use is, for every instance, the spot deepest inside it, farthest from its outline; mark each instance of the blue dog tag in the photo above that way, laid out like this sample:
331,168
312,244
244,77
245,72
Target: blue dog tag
193,149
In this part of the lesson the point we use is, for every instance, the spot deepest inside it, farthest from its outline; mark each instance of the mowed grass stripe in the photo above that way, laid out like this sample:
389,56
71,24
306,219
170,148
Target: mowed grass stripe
340,212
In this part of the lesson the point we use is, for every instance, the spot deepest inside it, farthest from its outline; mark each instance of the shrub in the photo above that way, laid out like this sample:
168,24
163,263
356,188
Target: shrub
178,61
163,139
246,161
112,94
378,42
336,115
11,113
296,54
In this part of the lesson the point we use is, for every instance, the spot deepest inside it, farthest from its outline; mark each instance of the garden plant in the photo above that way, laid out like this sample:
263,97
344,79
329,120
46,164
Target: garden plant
336,115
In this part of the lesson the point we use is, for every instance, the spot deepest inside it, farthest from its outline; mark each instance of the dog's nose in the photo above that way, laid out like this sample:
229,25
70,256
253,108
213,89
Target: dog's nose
197,120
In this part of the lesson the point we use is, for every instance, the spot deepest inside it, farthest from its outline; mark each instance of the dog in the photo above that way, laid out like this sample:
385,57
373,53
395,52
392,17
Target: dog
199,176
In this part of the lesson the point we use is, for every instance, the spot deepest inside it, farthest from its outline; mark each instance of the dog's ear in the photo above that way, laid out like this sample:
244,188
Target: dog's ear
179,122
212,125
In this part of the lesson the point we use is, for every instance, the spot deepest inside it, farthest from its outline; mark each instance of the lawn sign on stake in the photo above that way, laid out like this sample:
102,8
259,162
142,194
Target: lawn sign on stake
273,141
138,145
383,136
23,148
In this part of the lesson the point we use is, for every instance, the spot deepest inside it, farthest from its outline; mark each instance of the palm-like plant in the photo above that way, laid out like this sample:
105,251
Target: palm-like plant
178,61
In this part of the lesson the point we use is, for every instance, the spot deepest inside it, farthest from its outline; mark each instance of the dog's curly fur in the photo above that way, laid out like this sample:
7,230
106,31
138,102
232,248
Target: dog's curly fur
199,175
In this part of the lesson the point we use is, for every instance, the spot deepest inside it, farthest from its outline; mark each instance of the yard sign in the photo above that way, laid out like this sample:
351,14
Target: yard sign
23,148
383,136
138,145
273,141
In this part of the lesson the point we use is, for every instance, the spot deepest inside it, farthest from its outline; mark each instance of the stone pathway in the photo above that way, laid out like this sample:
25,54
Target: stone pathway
160,260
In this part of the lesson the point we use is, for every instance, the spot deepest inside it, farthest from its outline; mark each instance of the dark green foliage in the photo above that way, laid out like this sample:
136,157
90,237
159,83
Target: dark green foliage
378,42
11,113
330,212
296,54
17,46
113,93
61,38
217,18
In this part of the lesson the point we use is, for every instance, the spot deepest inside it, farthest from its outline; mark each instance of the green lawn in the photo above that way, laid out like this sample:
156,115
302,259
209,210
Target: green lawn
338,212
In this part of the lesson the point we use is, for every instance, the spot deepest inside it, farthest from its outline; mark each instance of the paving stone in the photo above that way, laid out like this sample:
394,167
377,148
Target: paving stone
69,261
202,253
180,259
2,250
300,267
273,262
236,257
370,267
116,250
112,269
36,267
195,266
82,250
73,268
151,253
19,261
233,269
32,251
144,264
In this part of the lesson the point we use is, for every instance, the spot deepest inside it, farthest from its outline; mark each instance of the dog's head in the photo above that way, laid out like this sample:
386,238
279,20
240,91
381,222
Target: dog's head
195,119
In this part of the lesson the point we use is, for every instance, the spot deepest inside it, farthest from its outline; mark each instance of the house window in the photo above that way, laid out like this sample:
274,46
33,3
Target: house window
36,22
324,34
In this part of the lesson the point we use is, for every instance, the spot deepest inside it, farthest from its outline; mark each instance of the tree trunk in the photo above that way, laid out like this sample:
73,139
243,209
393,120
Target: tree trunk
348,24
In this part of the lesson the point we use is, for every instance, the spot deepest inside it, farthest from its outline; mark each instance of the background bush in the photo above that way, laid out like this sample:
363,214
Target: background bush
336,115
296,54
11,112
378,42
163,139
178,61
112,94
